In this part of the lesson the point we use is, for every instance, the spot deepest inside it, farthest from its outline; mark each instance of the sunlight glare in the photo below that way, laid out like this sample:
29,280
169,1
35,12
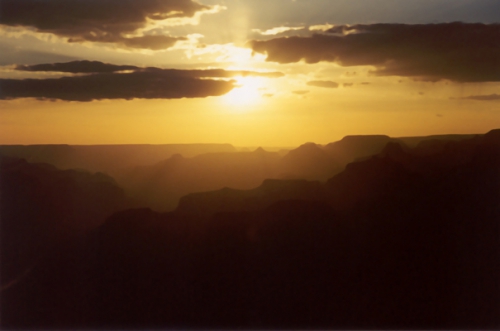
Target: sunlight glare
246,93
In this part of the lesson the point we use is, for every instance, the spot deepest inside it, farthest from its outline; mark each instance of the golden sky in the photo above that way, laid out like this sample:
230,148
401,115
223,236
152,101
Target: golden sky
246,72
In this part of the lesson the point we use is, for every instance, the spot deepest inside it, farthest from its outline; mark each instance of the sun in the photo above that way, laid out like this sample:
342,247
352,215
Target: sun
246,93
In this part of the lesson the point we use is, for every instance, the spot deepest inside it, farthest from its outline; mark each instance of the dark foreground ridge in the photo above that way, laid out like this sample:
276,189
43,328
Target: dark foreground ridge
406,239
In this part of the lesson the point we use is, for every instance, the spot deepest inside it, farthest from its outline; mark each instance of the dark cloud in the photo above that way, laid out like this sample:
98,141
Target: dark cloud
300,92
459,52
76,67
149,42
144,85
348,84
100,67
490,97
108,21
323,83
108,81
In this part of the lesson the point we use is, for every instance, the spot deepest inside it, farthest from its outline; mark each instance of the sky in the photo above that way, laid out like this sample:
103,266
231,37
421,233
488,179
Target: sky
246,72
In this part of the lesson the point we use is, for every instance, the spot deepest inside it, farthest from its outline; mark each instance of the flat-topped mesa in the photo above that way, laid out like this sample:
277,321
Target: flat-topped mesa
368,137
415,141
231,200
367,180
308,161
351,148
360,140
492,136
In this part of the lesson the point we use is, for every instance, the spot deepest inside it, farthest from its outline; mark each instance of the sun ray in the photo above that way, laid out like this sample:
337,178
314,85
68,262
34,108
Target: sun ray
246,93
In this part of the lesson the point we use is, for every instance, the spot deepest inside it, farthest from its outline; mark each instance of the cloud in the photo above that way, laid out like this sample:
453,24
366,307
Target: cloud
277,30
100,67
321,27
300,92
457,51
143,85
76,67
108,81
323,83
153,43
490,97
109,21
348,84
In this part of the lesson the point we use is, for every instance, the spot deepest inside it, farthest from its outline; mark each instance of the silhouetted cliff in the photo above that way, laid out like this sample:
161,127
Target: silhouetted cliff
401,240
42,206
162,185
351,148
231,200
111,159
309,161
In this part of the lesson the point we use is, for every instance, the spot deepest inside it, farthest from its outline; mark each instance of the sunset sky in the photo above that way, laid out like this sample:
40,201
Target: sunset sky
245,72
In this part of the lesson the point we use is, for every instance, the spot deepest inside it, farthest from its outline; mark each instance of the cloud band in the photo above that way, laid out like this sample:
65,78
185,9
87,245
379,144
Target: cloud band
454,51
